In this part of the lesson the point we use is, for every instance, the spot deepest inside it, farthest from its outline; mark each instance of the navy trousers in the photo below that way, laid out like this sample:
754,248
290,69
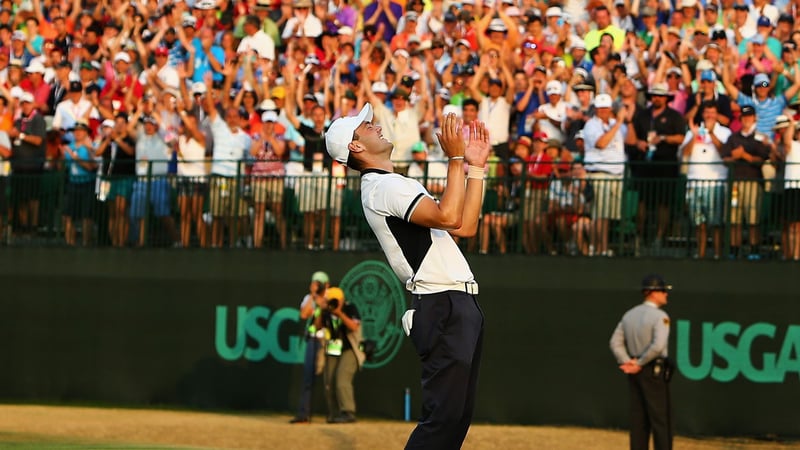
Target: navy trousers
651,411
447,333
309,375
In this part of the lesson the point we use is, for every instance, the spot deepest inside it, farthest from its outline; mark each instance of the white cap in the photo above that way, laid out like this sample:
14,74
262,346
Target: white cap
576,42
122,56
554,87
455,109
379,87
603,101
35,66
16,92
199,88
497,25
267,105
26,97
513,11
340,133
704,64
402,52
688,3
269,116
553,11
345,31
107,123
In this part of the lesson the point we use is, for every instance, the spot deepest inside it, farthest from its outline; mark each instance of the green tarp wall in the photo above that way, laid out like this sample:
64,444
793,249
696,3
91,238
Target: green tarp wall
144,328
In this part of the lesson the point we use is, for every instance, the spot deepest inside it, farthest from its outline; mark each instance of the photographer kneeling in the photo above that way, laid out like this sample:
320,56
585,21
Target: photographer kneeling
344,357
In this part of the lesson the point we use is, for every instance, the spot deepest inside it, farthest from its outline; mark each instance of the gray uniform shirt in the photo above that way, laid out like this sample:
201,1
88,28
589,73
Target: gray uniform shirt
642,333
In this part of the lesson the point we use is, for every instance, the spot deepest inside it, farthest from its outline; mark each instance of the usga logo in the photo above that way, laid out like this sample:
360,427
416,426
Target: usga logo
261,333
732,344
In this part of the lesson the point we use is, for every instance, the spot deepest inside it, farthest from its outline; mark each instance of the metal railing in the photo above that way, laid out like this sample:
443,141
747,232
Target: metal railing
592,215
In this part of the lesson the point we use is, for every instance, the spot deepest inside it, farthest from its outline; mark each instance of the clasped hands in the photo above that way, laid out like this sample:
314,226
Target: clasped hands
631,367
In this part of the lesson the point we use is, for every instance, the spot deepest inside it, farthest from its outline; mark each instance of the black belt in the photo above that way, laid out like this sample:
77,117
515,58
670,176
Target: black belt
599,171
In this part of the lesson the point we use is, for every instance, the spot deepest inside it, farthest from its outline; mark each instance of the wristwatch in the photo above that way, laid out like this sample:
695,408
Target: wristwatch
22,136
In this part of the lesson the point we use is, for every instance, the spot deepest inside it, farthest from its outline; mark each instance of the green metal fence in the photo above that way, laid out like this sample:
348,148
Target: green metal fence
593,214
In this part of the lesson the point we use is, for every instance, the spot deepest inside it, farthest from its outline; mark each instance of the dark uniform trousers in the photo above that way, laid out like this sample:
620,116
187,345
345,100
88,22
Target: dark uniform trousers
447,333
650,410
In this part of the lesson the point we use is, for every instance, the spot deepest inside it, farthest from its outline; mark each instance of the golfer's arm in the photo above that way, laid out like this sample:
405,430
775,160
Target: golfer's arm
447,214
472,207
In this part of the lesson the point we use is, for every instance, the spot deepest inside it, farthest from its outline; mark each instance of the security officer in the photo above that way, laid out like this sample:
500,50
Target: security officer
639,344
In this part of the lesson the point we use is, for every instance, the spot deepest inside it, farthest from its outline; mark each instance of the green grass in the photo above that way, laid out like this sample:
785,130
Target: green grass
23,441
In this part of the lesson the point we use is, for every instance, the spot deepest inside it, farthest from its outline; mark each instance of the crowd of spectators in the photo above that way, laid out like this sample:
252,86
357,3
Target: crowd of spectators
203,119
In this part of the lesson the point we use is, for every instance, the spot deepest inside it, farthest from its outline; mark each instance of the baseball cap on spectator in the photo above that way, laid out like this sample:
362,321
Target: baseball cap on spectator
35,67
122,56
674,71
579,135
577,43
659,90
497,25
583,87
191,21
402,52
108,123
311,59
269,116
310,98
199,88
19,35
278,92
267,105
81,125
92,88
603,101
400,93
467,2
648,11
761,80
540,68
553,11
748,110
26,97
540,136
463,42
205,4
711,6
525,140
582,72
454,109
718,33
712,46
340,133
704,64
553,87
444,93
513,11
411,16
263,4
16,92
674,31
781,122
413,39
75,86
418,147
790,45
496,82
757,39
63,64
15,62
708,75
764,21
786,17
320,276
741,6
654,282
345,31
379,87
160,51
148,118
688,4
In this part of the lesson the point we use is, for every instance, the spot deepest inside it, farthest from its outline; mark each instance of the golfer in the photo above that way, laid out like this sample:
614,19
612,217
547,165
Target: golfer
445,322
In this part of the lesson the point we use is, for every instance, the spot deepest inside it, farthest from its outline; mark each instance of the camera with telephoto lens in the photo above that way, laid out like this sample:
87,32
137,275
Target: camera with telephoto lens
333,303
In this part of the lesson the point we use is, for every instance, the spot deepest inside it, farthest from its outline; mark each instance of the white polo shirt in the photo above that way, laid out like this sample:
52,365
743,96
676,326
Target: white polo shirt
426,259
